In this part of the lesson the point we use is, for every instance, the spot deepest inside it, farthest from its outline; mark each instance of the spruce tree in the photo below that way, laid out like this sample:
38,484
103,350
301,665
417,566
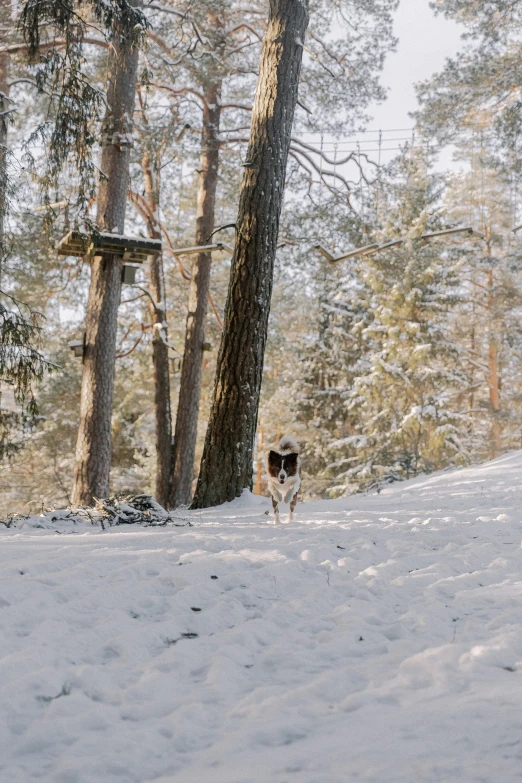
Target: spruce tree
21,362
402,409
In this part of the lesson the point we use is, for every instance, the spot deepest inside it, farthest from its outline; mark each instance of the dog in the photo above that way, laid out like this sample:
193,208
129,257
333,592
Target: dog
283,475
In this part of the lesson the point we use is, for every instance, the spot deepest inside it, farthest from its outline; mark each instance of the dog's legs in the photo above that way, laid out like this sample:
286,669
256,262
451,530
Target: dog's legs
292,506
275,506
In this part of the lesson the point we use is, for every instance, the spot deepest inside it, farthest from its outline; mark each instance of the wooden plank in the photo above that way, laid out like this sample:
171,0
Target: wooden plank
188,251
392,243
448,231
324,252
137,249
75,243
119,242
359,251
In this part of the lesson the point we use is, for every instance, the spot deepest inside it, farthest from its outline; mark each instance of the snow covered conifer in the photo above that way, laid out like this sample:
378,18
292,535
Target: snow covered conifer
404,403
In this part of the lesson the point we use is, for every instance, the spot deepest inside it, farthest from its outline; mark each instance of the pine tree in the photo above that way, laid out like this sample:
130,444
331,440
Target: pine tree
226,467
93,448
402,409
487,328
223,25
482,85
21,362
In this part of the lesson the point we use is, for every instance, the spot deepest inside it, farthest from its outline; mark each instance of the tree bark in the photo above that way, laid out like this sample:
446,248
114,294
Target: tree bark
493,369
190,384
93,447
226,466
160,351
4,107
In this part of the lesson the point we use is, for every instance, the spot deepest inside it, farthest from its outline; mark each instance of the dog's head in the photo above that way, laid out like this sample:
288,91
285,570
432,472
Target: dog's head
282,467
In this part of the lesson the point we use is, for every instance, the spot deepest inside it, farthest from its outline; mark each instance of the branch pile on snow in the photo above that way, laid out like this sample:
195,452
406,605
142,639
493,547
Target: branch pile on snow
131,510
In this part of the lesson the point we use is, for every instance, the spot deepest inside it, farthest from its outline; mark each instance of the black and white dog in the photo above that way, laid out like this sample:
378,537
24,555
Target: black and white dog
283,475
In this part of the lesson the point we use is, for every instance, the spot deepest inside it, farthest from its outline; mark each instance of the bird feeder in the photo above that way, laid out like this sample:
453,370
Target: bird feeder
77,347
83,245
128,274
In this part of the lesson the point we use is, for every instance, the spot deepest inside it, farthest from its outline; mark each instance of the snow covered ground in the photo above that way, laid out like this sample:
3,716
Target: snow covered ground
376,638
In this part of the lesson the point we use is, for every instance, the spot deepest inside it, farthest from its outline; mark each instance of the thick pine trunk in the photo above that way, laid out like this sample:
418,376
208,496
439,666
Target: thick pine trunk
160,351
93,447
190,385
4,107
226,466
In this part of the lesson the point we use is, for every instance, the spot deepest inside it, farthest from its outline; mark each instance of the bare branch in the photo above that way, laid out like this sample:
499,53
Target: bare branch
216,314
218,229
23,47
157,306
315,57
180,14
235,106
309,111
143,208
319,152
182,91
244,26
248,42
127,353
322,172
337,61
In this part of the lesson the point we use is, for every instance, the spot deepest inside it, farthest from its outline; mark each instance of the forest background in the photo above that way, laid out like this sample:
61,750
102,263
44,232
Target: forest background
383,365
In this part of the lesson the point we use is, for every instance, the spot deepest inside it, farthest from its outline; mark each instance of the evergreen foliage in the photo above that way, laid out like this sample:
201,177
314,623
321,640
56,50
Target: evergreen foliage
385,373
56,35
480,87
21,365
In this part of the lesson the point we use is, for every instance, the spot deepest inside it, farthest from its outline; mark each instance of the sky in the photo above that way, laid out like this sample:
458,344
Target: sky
425,41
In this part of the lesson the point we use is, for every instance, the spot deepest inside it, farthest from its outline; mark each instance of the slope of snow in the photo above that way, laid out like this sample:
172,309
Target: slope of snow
376,638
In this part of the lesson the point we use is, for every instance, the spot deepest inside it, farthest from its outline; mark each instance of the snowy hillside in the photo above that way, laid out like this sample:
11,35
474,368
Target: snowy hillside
375,638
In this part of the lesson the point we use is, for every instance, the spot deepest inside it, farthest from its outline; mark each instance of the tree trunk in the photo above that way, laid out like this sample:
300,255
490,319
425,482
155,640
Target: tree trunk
160,351
226,466
4,107
190,385
259,467
493,370
93,447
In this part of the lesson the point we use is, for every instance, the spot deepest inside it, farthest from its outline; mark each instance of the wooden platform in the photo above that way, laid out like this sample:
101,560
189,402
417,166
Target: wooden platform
135,249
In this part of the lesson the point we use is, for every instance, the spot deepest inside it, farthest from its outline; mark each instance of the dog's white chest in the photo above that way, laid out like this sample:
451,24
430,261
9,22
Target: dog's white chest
284,493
